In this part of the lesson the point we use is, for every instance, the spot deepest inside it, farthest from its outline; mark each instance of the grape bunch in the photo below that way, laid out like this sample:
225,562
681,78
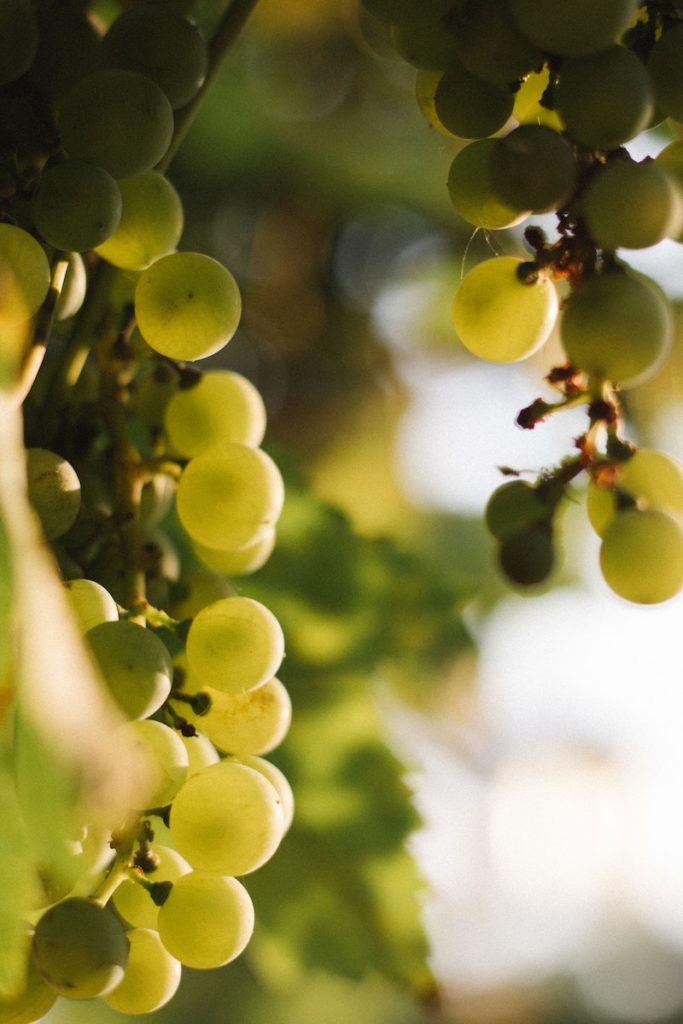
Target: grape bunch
544,98
152,491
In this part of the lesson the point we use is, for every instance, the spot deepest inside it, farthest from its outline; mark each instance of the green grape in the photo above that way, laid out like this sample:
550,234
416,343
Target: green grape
134,903
632,206
160,44
196,590
279,783
226,819
665,65
489,44
500,318
651,478
235,644
533,168
422,33
118,119
470,187
573,29
77,205
90,603
671,159
67,48
617,327
426,82
254,722
605,98
469,107
641,556
220,406
18,38
24,275
152,975
156,498
80,948
229,495
240,561
32,1003
165,758
528,108
74,288
528,556
200,751
135,664
207,920
515,506
187,305
54,490
151,222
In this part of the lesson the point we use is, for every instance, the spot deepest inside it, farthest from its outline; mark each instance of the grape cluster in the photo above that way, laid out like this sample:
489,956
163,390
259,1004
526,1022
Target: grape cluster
152,490
545,98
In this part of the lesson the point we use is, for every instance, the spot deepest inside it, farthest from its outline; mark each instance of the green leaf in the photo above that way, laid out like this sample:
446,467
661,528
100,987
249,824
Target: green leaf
20,888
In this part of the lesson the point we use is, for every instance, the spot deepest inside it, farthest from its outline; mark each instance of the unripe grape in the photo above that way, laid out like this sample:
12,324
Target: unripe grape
53,489
422,34
641,556
196,590
514,506
165,759
533,168
18,38
665,65
207,920
24,275
632,206
151,222
135,665
90,603
134,903
254,722
426,82
572,29
469,107
74,288
151,978
221,406
77,205
528,556
277,780
470,186
651,478
239,561
489,43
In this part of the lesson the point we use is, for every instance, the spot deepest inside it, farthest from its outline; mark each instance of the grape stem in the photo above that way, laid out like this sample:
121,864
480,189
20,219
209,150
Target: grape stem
33,358
118,873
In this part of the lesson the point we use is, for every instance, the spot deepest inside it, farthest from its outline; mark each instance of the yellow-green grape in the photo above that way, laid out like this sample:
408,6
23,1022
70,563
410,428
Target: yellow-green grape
632,206
229,496
514,506
515,163
470,187
80,948
528,108
489,43
74,288
156,498
425,89
196,590
32,1003
77,205
671,159
665,65
165,759
617,328
53,489
240,561
135,665
151,978
226,819
576,28
279,782
24,275
498,316
470,107
118,119
220,406
134,903
641,556
151,222
651,478
604,99
234,645
90,603
18,38
187,305
254,722
200,751
207,920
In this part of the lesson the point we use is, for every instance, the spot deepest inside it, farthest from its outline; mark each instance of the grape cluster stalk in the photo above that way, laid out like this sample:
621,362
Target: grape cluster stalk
125,434
546,97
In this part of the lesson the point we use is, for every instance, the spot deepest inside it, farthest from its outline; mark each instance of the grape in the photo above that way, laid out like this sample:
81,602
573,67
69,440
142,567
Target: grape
514,506
197,589
118,119
229,495
165,758
489,44
471,189
77,205
533,168
135,664
220,406
156,498
24,275
161,44
604,99
528,108
134,903
151,222
152,975
67,49
18,38
671,159
576,28
617,327
469,107
632,206
426,82
665,65
235,644
200,751
422,34
32,1003
74,288
80,948
528,556
254,722
90,603
207,920
226,819
187,305
652,479
277,781
641,556
500,318
239,561
54,490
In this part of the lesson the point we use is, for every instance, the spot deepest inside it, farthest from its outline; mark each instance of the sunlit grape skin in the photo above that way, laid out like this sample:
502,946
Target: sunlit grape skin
135,664
641,556
207,920
650,478
151,222
151,978
24,275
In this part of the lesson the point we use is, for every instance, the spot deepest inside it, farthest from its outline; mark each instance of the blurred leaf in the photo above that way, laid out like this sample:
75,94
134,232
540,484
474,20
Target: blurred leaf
19,888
